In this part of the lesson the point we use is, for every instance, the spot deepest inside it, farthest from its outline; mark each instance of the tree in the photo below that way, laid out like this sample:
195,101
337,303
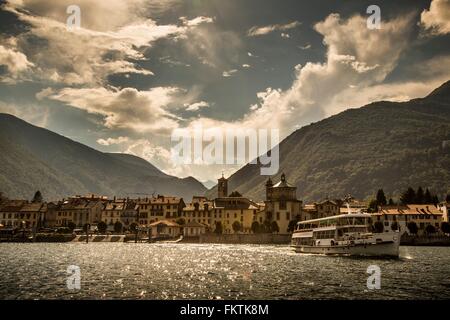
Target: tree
71,226
435,200
236,226
218,229
394,226
118,227
427,198
101,227
412,227
378,227
373,206
445,227
274,228
408,197
391,202
266,227
429,229
255,227
37,197
381,198
291,226
133,226
447,198
235,194
419,196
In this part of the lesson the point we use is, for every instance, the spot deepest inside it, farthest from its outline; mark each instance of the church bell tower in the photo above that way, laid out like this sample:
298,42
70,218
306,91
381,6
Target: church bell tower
222,187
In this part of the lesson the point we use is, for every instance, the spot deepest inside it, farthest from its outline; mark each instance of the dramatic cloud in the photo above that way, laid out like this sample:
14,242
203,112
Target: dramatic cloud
15,62
361,59
356,65
111,141
125,108
86,56
260,31
436,20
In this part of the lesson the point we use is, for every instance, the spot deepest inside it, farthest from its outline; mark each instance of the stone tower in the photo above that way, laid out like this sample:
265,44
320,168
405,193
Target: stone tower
222,187
269,185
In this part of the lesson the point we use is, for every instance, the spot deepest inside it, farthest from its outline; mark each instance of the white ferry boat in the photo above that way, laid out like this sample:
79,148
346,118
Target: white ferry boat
346,234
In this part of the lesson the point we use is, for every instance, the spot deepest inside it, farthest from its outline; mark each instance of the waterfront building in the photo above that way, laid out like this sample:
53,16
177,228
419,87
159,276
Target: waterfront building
79,211
421,214
165,228
323,209
130,213
281,205
236,209
10,212
194,229
159,208
31,214
201,210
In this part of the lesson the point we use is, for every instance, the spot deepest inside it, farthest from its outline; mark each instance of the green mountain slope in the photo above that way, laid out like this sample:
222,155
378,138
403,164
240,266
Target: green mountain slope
35,158
382,145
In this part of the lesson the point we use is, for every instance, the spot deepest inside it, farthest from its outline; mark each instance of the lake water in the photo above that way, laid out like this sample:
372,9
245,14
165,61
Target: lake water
206,271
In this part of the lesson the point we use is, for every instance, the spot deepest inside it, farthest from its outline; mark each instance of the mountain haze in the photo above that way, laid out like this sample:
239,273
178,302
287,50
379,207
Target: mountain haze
34,158
389,145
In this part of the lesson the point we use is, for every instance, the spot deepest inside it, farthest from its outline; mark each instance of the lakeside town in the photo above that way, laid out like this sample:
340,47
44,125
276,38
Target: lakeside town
420,217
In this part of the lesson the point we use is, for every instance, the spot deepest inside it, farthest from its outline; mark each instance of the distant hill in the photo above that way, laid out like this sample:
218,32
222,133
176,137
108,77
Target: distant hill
34,158
209,184
382,145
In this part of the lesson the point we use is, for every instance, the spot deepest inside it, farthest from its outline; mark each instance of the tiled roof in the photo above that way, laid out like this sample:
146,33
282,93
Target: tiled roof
411,209
31,207
165,222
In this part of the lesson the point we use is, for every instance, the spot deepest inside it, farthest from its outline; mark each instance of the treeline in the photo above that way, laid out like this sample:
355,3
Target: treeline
409,196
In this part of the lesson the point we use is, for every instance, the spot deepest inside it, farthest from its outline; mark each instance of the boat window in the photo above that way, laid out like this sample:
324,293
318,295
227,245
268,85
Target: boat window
359,221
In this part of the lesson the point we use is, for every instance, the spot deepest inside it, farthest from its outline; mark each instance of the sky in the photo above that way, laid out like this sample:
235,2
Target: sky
134,71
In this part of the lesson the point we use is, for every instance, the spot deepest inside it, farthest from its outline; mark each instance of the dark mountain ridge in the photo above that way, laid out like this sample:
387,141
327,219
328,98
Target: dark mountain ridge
34,158
389,145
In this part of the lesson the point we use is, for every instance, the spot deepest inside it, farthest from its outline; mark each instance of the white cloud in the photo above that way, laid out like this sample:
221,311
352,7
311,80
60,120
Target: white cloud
436,20
229,73
285,35
196,21
260,31
130,108
111,141
196,106
246,66
88,56
305,47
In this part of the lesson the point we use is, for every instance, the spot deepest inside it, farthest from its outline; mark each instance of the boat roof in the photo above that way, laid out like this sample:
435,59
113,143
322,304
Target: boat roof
352,215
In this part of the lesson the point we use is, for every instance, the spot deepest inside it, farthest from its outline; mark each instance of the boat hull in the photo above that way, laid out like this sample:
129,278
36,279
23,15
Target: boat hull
384,249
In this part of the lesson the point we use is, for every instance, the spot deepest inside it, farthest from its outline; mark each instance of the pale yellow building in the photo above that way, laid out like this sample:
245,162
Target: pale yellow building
159,208
282,205
421,214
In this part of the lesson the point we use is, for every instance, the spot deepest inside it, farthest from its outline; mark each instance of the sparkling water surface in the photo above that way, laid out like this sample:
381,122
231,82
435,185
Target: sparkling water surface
214,271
